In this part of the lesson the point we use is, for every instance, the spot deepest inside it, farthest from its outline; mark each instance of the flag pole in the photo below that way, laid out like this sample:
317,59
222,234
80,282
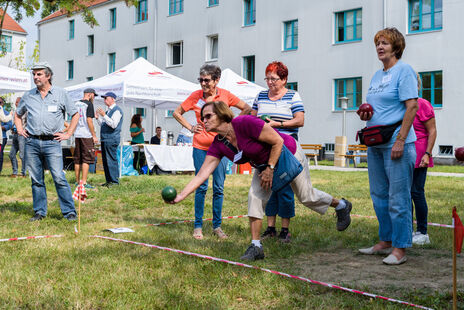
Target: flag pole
455,299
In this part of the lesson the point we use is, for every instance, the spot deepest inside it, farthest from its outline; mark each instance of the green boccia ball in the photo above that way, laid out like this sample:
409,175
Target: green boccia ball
265,118
169,193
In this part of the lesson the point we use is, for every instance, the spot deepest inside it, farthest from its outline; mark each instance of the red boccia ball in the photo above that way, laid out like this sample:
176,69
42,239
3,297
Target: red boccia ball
365,107
459,153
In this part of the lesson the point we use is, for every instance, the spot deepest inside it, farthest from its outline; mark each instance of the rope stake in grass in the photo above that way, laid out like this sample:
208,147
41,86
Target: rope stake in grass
189,221
265,270
30,237
429,224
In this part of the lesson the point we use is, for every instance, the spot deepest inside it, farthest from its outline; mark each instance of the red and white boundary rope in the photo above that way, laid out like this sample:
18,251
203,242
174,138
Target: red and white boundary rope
265,270
189,221
429,224
30,237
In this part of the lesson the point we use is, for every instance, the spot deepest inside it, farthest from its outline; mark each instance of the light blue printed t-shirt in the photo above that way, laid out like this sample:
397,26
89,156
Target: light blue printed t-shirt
387,94
280,110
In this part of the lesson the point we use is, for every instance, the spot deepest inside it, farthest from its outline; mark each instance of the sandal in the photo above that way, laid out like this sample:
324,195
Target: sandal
218,232
198,234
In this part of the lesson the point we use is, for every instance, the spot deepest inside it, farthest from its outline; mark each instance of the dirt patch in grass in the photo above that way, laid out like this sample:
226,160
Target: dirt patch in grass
426,270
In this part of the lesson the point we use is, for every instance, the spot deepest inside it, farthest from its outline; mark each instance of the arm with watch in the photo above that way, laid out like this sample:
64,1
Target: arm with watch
296,122
432,131
271,137
409,115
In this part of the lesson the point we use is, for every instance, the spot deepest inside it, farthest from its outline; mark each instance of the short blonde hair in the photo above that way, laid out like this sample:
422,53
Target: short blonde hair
222,111
419,82
395,38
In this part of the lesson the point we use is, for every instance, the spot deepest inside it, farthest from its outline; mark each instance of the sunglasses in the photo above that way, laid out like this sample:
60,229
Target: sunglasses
201,80
207,116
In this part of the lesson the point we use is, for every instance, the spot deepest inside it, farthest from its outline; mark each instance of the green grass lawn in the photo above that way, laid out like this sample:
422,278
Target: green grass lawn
80,272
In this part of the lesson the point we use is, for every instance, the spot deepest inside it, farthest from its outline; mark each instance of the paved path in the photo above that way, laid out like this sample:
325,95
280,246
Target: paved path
430,173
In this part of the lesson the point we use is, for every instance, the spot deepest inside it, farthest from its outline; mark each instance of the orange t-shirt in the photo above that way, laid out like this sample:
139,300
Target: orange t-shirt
194,102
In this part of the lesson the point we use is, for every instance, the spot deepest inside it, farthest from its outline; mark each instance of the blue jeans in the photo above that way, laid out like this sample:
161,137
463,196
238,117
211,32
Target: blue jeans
4,141
219,176
390,184
18,145
40,153
110,160
281,203
418,196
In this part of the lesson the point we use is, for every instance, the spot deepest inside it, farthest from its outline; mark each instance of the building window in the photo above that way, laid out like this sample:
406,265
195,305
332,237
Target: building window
140,111
250,12
176,56
348,26
113,18
249,68
6,44
90,45
176,7
212,47
71,30
89,78
291,35
111,62
213,2
425,15
293,86
446,150
141,14
432,87
140,52
351,88
330,147
70,69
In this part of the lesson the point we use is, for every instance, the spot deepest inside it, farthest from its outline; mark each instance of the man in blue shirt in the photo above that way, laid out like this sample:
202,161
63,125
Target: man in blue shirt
110,135
46,107
5,127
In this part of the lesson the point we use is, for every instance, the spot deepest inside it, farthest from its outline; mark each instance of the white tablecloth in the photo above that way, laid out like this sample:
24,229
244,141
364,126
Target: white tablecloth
169,158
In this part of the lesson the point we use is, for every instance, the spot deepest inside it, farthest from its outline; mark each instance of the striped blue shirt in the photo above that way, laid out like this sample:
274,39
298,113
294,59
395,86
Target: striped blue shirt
280,110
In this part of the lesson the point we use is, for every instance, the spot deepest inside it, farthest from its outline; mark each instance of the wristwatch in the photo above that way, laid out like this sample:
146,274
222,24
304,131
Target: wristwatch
430,155
281,124
271,167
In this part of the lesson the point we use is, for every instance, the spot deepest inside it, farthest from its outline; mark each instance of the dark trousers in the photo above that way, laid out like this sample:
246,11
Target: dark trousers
418,198
110,161
1,152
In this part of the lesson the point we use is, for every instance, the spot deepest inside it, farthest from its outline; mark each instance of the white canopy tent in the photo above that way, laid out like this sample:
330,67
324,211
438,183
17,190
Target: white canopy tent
240,87
140,84
13,80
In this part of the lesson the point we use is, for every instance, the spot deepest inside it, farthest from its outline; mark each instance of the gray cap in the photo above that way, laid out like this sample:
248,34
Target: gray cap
90,91
41,65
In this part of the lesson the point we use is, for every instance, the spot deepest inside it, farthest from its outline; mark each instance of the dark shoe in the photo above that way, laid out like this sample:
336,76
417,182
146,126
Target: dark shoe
269,233
104,184
253,253
36,217
343,216
284,236
71,217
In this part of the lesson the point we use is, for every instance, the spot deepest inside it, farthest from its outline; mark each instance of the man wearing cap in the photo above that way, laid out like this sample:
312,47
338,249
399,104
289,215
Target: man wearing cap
85,137
110,135
46,107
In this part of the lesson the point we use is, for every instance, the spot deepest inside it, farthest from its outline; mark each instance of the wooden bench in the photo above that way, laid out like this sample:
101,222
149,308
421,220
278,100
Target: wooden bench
355,150
313,151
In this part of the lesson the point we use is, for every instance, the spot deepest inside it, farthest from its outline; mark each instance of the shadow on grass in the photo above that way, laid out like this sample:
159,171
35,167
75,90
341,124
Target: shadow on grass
17,207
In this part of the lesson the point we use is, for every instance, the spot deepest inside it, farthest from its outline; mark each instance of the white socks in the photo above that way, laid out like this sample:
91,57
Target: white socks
256,243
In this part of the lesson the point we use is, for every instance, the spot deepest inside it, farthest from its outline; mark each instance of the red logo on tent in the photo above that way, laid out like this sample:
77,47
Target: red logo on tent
242,82
155,73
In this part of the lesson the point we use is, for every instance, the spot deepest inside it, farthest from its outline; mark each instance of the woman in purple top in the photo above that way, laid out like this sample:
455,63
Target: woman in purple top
249,139
426,134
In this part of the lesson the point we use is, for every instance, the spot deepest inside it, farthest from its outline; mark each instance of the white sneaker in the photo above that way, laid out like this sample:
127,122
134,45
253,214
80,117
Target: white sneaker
420,239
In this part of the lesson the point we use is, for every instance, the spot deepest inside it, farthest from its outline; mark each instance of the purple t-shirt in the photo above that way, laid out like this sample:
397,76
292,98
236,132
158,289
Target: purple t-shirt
424,113
247,130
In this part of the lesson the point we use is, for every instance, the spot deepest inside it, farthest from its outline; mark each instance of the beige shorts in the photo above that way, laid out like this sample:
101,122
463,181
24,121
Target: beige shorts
309,196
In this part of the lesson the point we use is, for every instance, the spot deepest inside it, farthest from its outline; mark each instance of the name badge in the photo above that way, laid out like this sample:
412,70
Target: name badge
200,103
387,78
52,108
238,156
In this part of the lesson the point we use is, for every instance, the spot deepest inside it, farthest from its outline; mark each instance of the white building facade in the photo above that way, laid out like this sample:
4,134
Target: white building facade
327,46
12,44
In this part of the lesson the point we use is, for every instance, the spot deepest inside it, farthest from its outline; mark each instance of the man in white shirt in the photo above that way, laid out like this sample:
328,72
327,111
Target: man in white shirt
110,135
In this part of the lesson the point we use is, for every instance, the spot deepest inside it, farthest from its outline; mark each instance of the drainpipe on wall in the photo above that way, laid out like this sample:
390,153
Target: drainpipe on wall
384,14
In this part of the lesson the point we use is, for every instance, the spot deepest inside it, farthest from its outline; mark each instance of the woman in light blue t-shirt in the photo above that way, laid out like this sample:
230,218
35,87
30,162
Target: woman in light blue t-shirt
393,95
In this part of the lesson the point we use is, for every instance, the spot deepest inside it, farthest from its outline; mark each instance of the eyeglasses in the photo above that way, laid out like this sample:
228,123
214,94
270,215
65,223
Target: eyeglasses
272,80
201,80
207,116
